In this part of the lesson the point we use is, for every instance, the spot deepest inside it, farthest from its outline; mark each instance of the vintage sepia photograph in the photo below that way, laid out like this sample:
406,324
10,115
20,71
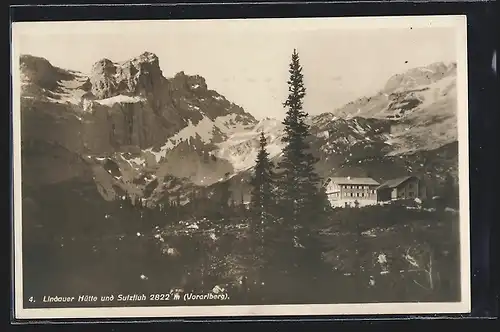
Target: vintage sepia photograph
243,167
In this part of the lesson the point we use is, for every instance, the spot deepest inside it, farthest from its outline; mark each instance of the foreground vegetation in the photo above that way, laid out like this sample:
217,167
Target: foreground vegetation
371,254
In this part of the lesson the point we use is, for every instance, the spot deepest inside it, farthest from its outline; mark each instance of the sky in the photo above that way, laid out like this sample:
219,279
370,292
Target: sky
247,60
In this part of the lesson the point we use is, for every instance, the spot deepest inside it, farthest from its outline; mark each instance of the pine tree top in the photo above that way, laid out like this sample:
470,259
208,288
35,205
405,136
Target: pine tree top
263,140
296,88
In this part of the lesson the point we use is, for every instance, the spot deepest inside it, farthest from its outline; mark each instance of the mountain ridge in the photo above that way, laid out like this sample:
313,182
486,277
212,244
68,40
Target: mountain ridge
137,130
127,112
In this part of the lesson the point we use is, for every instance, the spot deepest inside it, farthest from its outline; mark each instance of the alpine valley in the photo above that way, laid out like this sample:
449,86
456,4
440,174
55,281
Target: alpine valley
127,129
133,182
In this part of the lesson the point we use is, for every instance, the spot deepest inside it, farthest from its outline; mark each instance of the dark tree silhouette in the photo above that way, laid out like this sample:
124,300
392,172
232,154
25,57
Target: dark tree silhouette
262,193
262,202
299,187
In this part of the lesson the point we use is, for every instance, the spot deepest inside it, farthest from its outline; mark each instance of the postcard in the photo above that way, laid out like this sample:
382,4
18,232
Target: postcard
240,167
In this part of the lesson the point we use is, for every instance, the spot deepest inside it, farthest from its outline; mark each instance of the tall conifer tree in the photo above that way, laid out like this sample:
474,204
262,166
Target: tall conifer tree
303,201
300,191
262,194
262,205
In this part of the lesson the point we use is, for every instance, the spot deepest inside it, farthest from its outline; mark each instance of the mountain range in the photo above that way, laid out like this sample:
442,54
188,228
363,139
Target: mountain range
127,129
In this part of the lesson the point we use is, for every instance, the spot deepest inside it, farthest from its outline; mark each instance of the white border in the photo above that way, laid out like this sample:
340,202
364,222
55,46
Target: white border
457,22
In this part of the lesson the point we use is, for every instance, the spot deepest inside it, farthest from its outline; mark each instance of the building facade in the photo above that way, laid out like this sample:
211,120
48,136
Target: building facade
351,191
408,187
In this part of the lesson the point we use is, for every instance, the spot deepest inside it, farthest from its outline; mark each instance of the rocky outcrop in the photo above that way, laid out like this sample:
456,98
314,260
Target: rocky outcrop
190,94
420,76
138,76
102,79
120,107
38,71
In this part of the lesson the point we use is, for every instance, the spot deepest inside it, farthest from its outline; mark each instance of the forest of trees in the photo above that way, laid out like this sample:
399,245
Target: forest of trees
263,248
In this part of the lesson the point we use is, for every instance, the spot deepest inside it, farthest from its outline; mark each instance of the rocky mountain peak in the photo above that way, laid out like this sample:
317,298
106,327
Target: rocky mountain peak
103,67
39,71
146,57
438,66
191,82
419,76
137,76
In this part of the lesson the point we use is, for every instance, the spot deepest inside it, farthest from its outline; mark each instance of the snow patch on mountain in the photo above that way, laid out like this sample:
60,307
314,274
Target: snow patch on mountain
119,99
231,123
204,131
241,148
436,91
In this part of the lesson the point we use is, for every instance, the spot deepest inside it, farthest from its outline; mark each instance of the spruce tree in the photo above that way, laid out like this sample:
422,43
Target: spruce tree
262,193
301,195
262,202
303,201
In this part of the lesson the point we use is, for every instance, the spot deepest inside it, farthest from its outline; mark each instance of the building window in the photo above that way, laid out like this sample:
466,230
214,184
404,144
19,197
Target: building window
345,194
351,195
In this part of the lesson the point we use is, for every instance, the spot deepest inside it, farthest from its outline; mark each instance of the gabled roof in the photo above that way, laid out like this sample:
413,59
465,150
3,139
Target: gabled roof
353,181
394,183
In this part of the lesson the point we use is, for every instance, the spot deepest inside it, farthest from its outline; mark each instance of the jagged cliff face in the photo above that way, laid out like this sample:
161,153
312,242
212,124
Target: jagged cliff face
122,104
127,113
